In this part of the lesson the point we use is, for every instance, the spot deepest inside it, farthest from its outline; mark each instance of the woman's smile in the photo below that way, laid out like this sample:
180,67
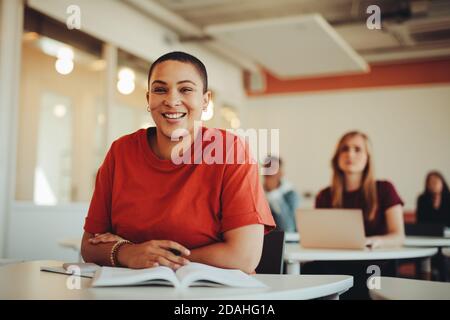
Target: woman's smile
174,117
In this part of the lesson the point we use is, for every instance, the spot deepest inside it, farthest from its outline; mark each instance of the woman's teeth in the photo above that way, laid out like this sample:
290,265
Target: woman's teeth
177,115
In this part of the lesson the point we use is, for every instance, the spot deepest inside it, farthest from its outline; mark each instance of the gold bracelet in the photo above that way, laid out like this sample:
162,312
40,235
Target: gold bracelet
115,250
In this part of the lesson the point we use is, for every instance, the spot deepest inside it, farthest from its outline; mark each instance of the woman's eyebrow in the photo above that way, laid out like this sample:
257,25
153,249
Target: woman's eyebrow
159,81
179,82
182,81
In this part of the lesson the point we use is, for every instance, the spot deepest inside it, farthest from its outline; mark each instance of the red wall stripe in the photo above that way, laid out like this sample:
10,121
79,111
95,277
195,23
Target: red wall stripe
401,74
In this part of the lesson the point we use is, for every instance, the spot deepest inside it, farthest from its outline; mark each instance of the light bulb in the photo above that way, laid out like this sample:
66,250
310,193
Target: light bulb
65,53
59,110
64,66
125,86
126,74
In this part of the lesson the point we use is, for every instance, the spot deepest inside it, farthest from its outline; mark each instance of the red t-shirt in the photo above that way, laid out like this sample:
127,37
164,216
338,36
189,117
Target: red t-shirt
141,197
387,197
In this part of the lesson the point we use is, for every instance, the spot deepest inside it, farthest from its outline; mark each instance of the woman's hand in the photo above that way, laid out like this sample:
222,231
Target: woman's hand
374,242
153,253
104,238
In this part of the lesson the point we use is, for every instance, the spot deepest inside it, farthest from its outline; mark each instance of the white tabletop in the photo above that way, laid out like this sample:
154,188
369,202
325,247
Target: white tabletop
294,252
26,281
409,289
292,237
427,242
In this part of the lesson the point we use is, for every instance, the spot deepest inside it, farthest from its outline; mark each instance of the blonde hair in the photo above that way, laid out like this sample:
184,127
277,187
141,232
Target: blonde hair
368,181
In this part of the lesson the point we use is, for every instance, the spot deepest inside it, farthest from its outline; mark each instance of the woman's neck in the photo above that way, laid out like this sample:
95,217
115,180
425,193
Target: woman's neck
436,199
353,181
163,146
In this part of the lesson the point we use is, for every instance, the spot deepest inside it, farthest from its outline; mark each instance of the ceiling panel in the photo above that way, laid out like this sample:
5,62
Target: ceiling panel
313,48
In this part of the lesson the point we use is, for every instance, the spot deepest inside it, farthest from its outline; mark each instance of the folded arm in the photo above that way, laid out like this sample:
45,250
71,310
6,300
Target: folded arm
241,249
395,230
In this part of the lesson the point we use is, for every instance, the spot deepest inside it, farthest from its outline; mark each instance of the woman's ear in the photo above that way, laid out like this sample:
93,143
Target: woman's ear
146,96
206,99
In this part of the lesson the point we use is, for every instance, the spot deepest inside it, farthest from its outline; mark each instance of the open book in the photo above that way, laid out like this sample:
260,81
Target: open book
192,274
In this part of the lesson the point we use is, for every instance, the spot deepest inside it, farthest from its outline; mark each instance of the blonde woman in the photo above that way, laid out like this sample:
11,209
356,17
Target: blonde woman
354,186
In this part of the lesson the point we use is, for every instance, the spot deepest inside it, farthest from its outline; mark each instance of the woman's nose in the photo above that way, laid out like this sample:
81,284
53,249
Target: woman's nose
172,100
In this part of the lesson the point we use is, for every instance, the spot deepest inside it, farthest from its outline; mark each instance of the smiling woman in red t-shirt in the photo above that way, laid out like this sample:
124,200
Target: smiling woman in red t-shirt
210,213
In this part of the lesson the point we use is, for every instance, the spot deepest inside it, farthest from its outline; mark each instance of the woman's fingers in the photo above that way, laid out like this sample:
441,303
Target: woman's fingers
168,244
104,238
164,262
170,256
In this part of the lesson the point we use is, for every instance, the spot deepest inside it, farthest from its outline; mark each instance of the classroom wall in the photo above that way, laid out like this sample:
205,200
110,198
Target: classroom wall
37,230
409,128
139,35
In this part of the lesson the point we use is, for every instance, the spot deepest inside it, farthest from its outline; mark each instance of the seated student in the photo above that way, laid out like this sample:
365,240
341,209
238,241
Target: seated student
282,197
147,209
354,187
433,205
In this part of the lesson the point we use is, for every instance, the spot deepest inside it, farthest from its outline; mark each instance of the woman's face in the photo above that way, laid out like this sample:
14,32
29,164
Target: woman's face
176,96
353,155
435,184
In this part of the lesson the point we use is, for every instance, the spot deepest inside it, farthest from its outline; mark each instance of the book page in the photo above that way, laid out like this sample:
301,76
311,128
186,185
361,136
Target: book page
108,276
198,274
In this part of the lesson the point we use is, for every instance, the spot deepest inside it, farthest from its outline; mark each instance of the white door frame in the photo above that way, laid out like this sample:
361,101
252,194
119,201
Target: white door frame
11,29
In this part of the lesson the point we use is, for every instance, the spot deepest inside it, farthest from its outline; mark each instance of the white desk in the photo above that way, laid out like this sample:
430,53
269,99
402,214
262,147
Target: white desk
26,281
408,289
426,242
294,254
292,237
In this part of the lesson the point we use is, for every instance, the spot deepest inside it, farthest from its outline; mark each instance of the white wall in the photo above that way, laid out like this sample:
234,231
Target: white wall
11,21
409,128
38,229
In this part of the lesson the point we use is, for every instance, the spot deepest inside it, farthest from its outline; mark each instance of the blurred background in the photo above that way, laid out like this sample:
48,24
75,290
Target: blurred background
73,79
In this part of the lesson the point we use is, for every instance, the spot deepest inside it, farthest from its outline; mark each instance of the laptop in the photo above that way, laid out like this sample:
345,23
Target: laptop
331,228
425,229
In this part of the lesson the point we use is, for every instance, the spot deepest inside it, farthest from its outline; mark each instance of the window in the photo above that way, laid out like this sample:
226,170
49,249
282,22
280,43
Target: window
61,142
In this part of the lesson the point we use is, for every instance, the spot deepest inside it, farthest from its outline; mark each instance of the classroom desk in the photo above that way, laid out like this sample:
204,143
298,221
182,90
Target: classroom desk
26,281
292,237
409,289
426,242
410,241
294,254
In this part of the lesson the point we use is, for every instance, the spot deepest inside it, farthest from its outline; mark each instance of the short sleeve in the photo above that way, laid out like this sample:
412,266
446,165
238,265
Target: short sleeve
388,195
242,200
98,219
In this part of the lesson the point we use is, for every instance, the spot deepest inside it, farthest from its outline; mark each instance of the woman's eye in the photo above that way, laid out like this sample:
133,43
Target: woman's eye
357,149
186,89
159,90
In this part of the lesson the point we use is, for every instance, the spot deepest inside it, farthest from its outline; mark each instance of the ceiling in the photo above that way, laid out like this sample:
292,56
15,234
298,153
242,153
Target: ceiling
411,29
